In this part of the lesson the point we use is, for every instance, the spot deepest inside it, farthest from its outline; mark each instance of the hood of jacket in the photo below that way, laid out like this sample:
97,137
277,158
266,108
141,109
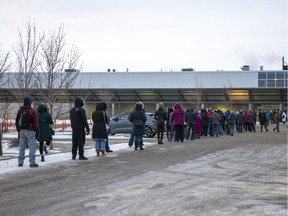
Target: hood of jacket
41,108
79,102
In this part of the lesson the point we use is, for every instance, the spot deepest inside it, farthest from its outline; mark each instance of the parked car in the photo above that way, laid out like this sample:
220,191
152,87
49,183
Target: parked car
121,124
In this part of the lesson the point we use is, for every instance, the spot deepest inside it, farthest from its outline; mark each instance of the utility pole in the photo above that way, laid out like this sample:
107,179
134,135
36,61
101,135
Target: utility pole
284,64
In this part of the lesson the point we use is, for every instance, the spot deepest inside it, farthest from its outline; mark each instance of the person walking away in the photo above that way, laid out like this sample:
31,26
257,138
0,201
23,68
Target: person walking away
138,118
27,126
161,117
168,124
107,147
232,122
79,127
277,120
99,131
178,119
45,133
268,117
190,118
260,116
263,121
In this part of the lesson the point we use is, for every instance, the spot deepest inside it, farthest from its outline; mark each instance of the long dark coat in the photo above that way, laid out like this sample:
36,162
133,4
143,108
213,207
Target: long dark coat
99,129
138,113
45,120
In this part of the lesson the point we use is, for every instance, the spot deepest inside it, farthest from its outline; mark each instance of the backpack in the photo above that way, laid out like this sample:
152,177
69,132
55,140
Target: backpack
24,118
161,118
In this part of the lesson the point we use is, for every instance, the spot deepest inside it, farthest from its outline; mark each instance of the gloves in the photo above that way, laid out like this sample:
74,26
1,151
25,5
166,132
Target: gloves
87,131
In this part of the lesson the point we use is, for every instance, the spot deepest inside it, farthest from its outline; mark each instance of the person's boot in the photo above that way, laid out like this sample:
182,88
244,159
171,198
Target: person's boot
42,158
82,158
136,145
45,149
98,153
103,153
141,145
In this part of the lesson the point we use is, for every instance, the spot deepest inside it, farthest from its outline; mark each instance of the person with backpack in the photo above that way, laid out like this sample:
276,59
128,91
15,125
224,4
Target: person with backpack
161,117
45,133
79,127
27,126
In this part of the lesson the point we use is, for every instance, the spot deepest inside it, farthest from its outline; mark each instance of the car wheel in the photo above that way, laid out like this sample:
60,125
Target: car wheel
148,131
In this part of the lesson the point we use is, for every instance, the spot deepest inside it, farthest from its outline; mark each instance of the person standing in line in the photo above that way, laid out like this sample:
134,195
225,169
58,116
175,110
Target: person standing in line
232,121
27,126
251,120
215,121
161,117
190,119
168,124
198,125
138,118
45,133
79,124
107,147
277,120
240,121
246,119
99,131
131,139
204,123
178,119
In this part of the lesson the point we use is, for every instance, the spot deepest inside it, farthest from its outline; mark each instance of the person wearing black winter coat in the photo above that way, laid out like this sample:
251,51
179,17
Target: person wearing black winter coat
161,117
138,119
45,133
79,123
99,131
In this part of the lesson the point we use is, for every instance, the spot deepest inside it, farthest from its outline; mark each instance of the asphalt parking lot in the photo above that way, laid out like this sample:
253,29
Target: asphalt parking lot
241,175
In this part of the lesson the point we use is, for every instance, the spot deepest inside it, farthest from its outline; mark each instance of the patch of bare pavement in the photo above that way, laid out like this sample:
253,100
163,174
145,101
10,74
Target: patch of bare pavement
244,174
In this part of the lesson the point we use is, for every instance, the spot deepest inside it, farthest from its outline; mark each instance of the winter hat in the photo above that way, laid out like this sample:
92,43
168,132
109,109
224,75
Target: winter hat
27,101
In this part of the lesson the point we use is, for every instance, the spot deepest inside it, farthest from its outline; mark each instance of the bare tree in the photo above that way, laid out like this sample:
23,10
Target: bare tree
27,60
58,70
198,93
4,67
228,98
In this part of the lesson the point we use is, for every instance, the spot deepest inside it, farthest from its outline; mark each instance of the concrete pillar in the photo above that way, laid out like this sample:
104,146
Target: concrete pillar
113,109
249,106
202,106
280,106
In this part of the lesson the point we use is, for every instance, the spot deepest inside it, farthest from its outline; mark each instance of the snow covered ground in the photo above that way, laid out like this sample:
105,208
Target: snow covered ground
9,160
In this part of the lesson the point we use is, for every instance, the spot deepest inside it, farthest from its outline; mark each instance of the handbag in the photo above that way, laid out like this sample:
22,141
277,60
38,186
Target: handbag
106,125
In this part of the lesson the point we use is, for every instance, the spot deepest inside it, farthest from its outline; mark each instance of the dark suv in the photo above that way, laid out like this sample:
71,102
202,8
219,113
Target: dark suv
121,124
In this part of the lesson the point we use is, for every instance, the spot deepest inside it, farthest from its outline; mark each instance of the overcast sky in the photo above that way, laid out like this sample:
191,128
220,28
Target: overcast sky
155,35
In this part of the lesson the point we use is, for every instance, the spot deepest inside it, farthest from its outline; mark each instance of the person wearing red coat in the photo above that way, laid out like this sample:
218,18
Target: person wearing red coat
177,120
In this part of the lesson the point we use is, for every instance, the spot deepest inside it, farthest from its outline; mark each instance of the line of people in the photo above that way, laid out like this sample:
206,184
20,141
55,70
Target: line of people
191,125
179,125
